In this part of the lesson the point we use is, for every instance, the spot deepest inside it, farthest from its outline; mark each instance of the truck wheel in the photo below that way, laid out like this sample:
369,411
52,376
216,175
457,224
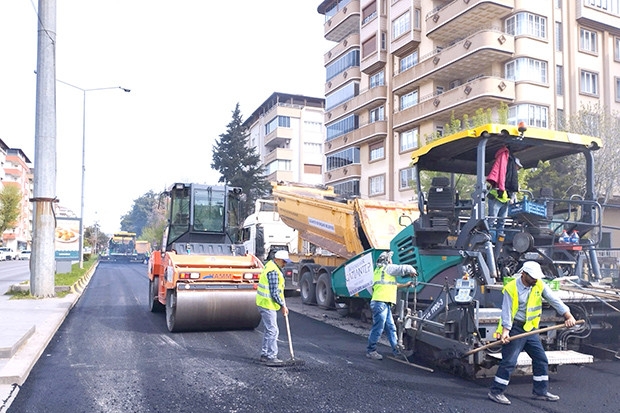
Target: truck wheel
154,305
324,293
171,309
307,290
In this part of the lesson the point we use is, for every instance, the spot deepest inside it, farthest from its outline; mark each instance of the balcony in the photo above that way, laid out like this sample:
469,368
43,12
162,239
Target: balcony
596,17
373,62
278,137
371,98
357,136
340,79
277,176
455,20
459,61
278,154
344,23
484,92
350,171
406,43
353,41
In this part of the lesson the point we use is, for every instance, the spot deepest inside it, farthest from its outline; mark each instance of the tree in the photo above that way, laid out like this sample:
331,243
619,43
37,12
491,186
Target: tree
239,164
140,214
10,199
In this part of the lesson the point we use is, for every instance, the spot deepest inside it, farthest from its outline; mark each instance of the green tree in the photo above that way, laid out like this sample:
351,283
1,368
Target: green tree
10,200
138,217
239,164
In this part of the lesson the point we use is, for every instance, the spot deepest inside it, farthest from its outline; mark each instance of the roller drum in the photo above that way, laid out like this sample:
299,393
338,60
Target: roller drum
211,309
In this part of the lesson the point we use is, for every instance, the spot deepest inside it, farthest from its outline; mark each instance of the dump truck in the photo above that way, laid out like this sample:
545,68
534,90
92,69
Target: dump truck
143,250
454,305
332,229
202,277
264,232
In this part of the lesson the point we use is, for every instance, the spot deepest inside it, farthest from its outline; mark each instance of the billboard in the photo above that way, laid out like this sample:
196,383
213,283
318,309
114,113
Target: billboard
67,239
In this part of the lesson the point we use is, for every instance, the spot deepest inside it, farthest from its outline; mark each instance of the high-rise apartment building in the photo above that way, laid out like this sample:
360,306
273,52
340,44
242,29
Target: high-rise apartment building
400,69
16,172
287,131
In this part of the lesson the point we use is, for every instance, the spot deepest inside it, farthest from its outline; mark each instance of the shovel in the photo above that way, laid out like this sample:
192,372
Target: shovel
292,361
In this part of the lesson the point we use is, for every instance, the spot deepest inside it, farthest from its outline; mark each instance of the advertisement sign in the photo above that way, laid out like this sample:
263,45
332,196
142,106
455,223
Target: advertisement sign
359,274
67,239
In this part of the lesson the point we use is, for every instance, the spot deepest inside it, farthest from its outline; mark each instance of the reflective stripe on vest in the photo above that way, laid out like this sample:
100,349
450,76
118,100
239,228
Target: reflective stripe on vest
533,308
263,296
384,286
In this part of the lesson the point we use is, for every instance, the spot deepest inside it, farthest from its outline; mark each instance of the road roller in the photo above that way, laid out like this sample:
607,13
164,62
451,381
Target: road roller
202,277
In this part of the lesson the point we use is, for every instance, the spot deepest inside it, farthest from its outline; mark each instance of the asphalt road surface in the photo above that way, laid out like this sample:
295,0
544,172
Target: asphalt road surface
13,272
113,355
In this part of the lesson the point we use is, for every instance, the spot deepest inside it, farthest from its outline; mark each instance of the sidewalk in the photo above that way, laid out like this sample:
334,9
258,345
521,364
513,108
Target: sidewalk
26,328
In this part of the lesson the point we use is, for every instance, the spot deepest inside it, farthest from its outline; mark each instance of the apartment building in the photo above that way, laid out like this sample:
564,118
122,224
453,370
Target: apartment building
287,131
17,172
399,69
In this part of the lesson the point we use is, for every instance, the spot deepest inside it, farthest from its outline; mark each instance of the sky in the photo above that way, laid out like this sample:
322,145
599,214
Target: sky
187,64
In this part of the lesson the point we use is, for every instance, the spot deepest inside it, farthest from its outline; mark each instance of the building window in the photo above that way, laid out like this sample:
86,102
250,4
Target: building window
369,12
401,25
527,24
589,82
409,61
559,80
533,115
383,41
278,165
341,127
618,89
378,79
407,178
408,100
558,36
342,158
369,47
587,41
376,185
417,19
377,151
375,115
527,69
348,188
341,95
277,122
560,121
351,59
409,140
439,131
617,49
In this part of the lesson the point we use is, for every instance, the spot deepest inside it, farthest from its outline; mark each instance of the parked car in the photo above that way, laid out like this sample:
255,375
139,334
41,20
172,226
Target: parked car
2,256
9,253
24,255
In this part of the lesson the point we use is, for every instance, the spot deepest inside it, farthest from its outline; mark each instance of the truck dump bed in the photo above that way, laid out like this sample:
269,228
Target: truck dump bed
345,227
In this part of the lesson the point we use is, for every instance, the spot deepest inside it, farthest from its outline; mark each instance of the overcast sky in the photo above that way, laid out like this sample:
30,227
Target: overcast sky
187,63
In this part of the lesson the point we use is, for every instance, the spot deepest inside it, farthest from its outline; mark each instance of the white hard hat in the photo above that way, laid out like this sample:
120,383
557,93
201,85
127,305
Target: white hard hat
533,269
282,255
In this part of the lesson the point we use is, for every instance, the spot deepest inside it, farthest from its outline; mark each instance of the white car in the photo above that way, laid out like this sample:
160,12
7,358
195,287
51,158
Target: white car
9,253
24,255
2,256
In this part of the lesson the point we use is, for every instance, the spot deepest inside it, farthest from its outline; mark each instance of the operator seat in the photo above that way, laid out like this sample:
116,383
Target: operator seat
437,223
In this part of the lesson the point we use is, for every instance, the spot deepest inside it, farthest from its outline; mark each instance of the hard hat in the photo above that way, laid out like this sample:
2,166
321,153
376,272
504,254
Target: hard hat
384,258
282,255
532,268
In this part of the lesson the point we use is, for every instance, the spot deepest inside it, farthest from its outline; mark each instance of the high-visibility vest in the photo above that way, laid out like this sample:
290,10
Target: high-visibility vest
263,296
503,199
384,286
533,309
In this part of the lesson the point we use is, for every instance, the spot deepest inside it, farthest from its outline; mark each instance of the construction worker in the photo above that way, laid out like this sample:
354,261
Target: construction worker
504,186
270,299
521,311
384,291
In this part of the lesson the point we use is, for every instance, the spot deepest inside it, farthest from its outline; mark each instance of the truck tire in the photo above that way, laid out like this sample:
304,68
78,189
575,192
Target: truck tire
307,289
324,293
154,305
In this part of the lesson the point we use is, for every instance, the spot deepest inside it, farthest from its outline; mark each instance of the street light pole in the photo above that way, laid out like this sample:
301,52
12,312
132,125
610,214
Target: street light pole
84,91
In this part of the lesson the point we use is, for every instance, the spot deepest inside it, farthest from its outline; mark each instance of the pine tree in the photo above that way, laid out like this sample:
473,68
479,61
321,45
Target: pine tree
238,163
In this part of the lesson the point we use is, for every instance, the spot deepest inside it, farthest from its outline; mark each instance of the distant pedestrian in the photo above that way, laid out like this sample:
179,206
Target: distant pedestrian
521,311
384,291
270,299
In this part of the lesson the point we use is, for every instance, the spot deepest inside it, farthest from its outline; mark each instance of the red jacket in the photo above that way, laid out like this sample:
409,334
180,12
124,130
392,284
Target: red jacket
497,176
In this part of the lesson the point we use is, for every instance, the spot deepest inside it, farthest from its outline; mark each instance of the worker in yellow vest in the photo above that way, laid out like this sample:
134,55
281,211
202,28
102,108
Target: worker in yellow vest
384,290
521,311
270,299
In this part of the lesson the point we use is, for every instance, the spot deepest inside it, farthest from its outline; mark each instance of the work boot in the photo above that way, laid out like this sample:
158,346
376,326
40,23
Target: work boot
263,359
374,355
499,398
550,397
